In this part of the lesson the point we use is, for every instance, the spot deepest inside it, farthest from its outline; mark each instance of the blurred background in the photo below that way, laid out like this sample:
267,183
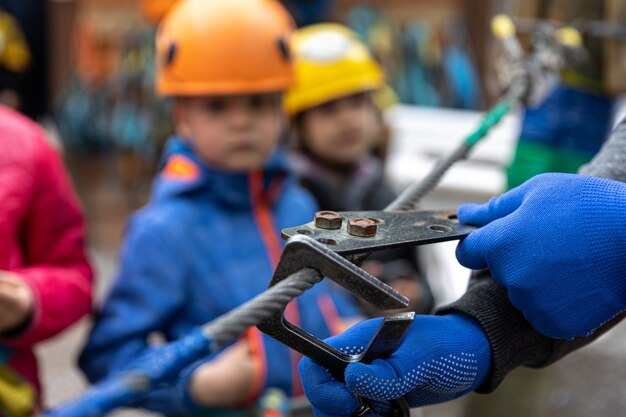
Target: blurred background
84,69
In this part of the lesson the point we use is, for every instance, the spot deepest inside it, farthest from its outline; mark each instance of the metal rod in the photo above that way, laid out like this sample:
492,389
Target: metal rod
409,198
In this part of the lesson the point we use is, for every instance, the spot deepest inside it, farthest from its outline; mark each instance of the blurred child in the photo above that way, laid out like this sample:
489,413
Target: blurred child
45,279
338,127
209,239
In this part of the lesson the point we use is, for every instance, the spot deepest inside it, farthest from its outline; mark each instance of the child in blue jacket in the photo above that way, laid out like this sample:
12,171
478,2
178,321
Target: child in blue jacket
209,239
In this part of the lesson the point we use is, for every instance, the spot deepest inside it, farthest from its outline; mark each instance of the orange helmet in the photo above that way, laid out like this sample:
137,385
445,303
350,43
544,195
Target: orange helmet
214,47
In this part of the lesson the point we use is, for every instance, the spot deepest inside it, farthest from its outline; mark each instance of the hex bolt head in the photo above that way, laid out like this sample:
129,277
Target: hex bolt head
329,220
362,227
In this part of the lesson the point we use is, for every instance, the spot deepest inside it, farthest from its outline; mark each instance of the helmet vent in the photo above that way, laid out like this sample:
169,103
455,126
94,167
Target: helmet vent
283,47
171,54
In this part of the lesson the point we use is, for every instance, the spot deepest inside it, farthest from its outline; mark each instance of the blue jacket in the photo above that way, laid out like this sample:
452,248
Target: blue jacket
206,242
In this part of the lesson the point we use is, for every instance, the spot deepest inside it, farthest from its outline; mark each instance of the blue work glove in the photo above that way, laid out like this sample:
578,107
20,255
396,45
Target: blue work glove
439,359
558,244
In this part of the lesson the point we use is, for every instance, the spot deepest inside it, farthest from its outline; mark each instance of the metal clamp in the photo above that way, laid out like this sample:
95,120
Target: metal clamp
321,246
304,252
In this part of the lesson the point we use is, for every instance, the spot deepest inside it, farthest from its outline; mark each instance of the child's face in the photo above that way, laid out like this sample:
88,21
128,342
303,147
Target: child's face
342,131
236,133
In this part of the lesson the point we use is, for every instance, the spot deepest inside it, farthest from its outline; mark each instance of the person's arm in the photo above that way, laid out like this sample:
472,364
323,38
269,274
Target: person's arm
55,266
490,335
513,340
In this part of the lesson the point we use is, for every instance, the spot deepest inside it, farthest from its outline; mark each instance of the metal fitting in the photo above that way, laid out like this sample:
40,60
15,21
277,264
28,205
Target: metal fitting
329,220
362,227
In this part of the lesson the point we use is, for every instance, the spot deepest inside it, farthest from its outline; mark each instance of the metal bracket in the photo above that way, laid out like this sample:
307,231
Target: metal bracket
301,252
394,229
323,250
304,252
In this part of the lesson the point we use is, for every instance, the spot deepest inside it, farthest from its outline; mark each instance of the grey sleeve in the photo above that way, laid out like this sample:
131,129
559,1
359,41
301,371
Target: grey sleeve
513,340
610,162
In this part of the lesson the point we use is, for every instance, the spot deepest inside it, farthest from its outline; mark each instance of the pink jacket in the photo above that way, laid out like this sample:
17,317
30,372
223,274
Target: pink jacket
41,239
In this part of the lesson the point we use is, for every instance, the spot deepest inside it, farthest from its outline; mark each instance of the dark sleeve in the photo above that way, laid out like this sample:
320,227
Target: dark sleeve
610,162
514,342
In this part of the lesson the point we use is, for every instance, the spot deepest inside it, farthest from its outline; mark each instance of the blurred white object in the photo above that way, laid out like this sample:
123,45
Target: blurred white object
420,137
446,277
53,134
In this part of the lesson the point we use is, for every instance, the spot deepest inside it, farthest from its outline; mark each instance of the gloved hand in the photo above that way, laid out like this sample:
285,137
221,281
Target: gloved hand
440,358
558,244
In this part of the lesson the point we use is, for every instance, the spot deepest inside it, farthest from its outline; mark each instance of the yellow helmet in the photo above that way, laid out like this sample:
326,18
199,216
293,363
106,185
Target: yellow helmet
14,52
331,62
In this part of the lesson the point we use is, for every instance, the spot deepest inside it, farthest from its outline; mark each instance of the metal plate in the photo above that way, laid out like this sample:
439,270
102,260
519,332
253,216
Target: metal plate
395,229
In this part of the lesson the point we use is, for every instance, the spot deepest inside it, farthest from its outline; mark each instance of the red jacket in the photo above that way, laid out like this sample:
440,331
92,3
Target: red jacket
41,239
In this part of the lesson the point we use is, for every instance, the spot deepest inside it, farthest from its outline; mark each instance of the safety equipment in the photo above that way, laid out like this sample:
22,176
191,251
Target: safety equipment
14,52
154,10
214,47
331,62
557,244
440,358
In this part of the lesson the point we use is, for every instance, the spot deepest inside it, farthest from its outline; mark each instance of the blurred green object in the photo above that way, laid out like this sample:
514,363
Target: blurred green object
535,158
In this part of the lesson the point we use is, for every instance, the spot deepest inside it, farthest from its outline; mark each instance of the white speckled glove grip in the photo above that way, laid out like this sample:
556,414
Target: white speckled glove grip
440,358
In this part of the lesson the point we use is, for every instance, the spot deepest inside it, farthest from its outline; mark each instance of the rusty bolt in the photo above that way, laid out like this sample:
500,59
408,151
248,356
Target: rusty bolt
362,227
328,220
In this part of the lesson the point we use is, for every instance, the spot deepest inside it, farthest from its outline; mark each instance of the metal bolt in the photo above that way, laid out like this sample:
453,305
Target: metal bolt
362,227
328,220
